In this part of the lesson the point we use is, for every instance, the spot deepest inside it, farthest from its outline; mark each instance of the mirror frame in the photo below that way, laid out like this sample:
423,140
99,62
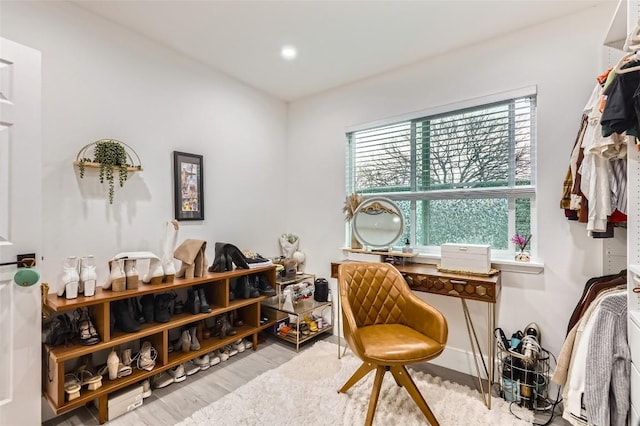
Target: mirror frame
367,203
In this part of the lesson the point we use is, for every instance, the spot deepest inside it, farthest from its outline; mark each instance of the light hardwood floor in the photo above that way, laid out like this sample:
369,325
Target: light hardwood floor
172,404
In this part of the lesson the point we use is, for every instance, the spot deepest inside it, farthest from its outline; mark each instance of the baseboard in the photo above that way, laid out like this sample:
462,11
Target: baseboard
459,360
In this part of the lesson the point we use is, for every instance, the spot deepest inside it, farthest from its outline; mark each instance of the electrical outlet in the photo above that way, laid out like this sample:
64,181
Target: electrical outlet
26,260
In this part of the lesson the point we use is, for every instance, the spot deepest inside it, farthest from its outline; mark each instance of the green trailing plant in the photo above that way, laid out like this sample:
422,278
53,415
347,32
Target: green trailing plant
109,154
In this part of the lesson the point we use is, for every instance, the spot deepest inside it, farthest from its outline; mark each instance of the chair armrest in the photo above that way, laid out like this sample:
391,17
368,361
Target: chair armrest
426,319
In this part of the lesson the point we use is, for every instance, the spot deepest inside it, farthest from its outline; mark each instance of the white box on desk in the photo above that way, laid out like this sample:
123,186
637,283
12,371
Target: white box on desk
466,257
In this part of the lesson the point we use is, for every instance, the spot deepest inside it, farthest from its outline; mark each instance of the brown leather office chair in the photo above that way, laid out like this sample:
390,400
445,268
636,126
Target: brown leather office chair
388,327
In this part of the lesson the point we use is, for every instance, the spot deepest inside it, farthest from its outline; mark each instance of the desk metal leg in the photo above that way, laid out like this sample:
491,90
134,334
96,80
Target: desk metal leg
475,344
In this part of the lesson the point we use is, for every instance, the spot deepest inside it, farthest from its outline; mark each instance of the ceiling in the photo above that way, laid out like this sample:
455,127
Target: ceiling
338,42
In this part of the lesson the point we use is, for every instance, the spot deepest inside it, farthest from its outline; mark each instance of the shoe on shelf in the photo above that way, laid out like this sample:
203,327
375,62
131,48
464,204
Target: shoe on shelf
161,380
223,354
86,376
87,332
190,367
124,318
131,274
232,351
238,345
264,287
214,358
202,361
195,345
193,301
161,307
185,341
146,358
155,274
177,373
70,279
146,389
205,308
248,344
117,277
113,362
88,275
71,386
147,302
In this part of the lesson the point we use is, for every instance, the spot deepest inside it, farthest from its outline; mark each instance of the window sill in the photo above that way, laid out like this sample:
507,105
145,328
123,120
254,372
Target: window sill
504,264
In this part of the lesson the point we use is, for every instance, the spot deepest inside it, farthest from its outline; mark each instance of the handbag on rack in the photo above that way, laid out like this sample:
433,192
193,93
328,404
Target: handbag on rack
321,291
57,331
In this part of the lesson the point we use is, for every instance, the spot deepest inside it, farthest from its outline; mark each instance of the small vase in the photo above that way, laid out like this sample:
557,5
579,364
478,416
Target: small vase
523,256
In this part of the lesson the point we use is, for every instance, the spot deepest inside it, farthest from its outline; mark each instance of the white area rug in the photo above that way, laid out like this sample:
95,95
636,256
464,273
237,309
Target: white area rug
303,391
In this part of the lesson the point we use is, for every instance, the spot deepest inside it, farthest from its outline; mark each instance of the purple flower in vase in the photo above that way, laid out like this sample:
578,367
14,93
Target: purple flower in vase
521,241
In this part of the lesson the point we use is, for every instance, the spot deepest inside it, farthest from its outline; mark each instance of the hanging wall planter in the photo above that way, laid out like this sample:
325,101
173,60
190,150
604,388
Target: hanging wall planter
109,155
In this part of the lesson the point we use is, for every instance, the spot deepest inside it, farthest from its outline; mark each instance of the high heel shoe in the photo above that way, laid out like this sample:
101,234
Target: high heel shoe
131,274
88,276
87,332
70,278
113,362
155,274
117,277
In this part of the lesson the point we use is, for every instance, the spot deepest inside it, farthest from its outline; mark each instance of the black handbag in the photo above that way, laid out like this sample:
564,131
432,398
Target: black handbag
321,291
59,330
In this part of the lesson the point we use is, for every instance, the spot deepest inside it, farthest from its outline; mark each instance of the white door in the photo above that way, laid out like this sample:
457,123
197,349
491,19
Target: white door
20,232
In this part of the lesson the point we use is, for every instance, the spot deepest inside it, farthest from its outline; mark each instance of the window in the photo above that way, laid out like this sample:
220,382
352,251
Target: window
461,176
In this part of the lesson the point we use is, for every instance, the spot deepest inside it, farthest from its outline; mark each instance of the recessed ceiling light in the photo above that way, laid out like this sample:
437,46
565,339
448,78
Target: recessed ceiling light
288,53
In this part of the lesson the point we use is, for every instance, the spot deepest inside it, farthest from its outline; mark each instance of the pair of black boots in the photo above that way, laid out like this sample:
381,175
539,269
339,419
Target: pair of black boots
156,308
250,286
225,255
197,301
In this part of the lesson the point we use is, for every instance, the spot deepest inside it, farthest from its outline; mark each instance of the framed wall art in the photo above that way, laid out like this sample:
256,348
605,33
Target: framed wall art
188,186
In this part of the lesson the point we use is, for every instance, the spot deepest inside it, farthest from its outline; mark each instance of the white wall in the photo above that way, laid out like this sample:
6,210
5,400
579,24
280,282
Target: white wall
562,59
102,81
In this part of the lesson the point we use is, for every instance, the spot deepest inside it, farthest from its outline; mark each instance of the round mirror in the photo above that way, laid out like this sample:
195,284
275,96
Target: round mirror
378,223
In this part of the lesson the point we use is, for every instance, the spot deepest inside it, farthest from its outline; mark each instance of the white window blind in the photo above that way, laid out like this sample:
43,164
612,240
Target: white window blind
436,166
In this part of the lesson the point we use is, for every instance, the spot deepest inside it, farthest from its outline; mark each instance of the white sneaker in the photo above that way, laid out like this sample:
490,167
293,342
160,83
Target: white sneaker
214,359
248,344
190,367
146,389
161,380
232,351
202,362
223,353
177,373
238,345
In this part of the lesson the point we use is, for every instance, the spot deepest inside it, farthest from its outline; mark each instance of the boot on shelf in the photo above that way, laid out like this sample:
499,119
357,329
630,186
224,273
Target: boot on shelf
235,319
124,319
155,274
195,344
264,287
70,278
117,278
200,263
193,301
205,308
252,282
162,307
136,311
221,262
148,302
185,341
131,274
88,276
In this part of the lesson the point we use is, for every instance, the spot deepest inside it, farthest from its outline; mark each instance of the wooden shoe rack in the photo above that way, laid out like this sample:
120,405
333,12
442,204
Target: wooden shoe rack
216,286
